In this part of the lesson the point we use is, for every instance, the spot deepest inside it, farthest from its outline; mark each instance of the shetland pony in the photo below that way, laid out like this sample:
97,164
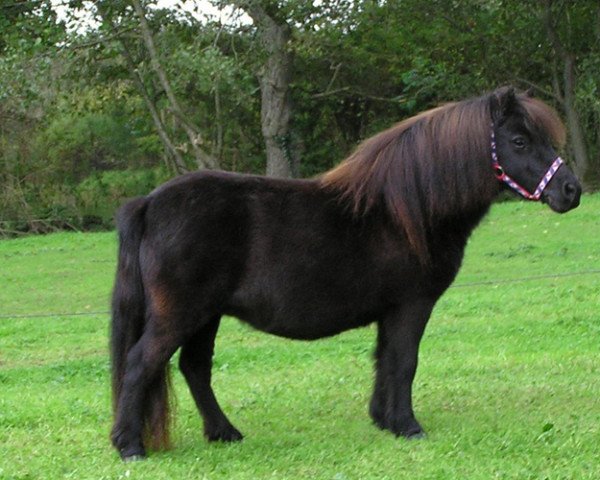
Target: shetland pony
377,239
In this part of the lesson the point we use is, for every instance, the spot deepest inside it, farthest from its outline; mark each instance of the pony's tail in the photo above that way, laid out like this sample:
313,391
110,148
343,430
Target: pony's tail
128,321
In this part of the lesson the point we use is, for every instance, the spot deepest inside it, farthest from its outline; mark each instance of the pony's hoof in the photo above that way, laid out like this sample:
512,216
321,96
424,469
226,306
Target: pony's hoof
133,454
409,429
133,458
225,434
416,436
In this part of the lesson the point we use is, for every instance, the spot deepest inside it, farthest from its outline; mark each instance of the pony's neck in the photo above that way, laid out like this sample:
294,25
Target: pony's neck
425,170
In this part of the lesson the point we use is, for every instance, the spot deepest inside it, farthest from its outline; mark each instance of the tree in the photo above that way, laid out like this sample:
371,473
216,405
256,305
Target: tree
141,86
120,20
564,75
203,159
275,76
28,33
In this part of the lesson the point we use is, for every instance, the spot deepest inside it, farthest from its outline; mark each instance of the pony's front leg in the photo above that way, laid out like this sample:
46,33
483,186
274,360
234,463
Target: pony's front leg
396,355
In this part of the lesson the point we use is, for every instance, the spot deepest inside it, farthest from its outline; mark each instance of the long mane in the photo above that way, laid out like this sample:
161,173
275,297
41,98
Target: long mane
432,166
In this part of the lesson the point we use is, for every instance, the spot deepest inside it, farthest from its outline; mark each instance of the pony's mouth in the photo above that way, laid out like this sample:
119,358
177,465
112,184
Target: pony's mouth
562,203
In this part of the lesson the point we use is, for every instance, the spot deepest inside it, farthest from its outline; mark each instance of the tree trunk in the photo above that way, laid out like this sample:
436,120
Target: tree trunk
275,77
276,106
218,144
567,96
576,136
203,159
178,163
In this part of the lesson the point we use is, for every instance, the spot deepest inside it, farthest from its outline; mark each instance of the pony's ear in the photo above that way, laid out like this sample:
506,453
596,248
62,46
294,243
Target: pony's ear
530,92
502,102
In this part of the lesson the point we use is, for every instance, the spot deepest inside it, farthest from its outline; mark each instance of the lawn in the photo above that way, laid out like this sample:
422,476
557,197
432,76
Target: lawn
508,385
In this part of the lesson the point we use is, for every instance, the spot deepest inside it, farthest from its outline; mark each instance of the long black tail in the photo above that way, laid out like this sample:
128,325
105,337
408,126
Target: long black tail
128,319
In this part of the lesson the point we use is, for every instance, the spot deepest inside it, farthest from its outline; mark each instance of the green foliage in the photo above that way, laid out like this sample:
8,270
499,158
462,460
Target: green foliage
73,146
28,27
71,109
588,104
100,195
43,207
506,387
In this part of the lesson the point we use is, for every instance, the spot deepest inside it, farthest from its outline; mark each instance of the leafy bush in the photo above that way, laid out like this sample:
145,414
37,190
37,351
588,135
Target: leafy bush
88,205
71,146
101,194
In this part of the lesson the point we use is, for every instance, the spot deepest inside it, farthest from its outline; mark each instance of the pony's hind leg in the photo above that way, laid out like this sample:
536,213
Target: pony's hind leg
145,368
195,363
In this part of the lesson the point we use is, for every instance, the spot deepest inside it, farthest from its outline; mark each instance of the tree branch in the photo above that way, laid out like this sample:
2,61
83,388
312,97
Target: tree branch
328,93
179,163
193,133
158,123
551,30
100,41
336,70
555,95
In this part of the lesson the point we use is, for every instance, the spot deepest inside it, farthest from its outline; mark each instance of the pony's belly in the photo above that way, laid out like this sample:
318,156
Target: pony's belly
301,325
304,303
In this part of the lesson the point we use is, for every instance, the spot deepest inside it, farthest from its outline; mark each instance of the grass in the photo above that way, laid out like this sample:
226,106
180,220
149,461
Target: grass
507,387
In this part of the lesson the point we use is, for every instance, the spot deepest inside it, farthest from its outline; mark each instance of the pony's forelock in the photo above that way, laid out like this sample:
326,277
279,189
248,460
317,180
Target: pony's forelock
545,119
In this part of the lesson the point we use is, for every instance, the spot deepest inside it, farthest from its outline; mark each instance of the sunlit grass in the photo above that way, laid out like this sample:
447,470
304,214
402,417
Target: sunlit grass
507,387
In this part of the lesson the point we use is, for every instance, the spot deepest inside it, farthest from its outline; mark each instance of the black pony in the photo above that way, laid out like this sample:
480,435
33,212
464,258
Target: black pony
377,239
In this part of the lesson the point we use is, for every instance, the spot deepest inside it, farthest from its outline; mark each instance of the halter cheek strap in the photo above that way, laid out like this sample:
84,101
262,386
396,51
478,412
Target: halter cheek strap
503,177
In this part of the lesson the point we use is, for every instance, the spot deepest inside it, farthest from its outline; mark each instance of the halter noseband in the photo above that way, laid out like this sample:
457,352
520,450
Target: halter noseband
503,177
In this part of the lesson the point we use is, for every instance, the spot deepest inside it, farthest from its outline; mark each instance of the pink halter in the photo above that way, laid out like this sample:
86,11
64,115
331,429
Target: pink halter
503,177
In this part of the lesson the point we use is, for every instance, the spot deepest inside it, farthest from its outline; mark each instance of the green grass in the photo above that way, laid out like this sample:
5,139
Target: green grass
507,387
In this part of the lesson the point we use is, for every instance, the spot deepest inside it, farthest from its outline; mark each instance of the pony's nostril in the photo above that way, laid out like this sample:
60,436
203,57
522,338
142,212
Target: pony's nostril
569,190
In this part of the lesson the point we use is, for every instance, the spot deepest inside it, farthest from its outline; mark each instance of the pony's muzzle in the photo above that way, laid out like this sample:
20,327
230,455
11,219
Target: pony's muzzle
565,197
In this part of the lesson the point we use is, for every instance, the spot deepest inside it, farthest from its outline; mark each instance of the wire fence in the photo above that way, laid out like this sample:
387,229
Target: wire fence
507,281
482,283
27,226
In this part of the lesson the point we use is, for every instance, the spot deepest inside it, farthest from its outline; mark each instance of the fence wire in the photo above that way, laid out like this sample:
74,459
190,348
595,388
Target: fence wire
482,283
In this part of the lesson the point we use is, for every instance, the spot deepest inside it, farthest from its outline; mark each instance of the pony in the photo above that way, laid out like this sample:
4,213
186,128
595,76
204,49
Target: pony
379,238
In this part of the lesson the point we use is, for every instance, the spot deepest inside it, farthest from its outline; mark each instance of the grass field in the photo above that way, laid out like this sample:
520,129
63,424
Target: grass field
508,385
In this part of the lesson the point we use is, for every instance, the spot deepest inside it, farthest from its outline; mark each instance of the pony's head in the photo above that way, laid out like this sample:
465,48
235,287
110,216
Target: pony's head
525,133
443,165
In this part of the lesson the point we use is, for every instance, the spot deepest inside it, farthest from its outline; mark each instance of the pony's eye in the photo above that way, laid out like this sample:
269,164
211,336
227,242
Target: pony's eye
519,142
